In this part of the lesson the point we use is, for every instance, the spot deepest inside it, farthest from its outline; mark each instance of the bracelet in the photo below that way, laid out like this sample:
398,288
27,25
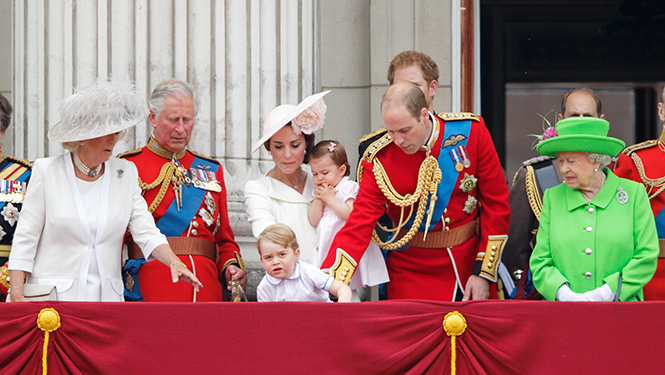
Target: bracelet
177,262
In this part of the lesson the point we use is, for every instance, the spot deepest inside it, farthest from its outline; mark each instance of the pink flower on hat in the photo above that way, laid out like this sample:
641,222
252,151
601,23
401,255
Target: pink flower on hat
549,131
311,119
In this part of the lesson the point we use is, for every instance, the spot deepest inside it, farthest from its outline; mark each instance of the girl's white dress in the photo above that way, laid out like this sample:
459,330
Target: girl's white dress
371,269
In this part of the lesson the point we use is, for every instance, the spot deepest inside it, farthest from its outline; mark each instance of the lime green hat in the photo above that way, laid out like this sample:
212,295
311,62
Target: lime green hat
581,134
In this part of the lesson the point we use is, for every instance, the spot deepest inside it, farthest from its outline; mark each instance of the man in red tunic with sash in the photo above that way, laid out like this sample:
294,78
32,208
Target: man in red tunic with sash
444,189
186,194
645,163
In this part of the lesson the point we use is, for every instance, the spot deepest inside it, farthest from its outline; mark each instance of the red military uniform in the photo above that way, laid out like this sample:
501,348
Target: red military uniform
201,224
14,176
473,227
645,163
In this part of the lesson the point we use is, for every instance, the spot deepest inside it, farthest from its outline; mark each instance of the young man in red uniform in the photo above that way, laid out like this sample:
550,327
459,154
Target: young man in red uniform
446,248
645,163
186,194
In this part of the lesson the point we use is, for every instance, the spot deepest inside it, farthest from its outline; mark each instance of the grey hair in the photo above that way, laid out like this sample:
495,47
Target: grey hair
171,88
596,157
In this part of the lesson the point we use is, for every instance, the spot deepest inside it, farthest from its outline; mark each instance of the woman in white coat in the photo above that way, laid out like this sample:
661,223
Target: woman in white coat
80,204
284,194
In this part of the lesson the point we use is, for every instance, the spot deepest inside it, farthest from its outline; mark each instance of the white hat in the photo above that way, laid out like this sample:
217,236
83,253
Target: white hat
102,109
310,122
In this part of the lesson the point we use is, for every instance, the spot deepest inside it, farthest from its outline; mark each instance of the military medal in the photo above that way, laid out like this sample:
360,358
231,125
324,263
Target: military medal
458,164
205,215
622,196
205,180
465,158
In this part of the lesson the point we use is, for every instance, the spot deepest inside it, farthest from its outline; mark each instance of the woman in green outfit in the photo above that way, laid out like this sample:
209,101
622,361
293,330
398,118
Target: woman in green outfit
597,238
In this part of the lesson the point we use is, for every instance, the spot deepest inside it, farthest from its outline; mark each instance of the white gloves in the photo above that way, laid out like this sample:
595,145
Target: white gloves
600,294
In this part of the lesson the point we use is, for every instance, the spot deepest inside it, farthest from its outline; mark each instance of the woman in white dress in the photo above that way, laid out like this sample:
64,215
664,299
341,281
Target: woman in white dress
284,194
80,204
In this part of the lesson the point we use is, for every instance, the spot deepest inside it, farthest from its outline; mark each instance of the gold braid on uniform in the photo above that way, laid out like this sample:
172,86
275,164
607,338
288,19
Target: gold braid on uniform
650,184
535,201
164,178
429,176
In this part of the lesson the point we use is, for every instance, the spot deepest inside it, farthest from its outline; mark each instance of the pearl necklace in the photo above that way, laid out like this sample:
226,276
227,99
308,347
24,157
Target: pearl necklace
587,199
84,169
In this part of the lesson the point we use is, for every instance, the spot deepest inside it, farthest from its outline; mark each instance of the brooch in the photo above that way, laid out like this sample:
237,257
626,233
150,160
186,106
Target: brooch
622,196
205,215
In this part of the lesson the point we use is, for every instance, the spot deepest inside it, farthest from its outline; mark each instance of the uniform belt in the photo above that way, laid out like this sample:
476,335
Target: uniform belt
449,238
661,242
181,246
4,251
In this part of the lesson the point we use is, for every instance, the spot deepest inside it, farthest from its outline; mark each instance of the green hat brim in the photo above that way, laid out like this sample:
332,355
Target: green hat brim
587,143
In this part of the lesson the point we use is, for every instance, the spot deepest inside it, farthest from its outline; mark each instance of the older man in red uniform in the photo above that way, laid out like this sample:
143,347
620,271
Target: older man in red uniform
186,194
645,163
446,248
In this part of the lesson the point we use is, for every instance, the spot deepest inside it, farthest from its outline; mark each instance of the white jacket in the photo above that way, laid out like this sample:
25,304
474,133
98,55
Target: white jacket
52,241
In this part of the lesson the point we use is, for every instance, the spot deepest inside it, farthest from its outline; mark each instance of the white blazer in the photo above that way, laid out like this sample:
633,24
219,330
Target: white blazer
52,241
269,201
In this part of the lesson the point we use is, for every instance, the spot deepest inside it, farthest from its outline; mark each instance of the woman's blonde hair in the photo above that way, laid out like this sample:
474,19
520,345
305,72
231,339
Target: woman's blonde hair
279,234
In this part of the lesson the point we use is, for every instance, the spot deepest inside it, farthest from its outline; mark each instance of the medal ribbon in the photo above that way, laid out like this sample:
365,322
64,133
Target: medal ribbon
449,174
174,223
13,176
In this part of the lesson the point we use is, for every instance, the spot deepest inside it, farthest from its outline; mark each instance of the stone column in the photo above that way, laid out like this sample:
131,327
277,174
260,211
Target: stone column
243,58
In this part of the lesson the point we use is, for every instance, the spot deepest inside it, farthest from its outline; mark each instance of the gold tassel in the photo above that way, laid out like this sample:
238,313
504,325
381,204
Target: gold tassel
48,321
454,324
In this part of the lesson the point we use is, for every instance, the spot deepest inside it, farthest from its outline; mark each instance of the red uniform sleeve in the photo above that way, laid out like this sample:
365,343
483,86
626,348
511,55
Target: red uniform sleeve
355,236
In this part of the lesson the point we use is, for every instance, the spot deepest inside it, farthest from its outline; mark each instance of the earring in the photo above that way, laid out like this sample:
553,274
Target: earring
595,169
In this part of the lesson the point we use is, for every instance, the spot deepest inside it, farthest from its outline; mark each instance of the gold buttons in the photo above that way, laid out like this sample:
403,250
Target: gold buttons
194,232
447,220
195,224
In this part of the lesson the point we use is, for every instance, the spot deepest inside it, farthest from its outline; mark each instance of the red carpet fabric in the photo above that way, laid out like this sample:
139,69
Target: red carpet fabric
401,337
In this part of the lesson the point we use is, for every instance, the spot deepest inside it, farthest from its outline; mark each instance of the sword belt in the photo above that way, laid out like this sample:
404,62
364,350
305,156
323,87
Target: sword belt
443,239
181,246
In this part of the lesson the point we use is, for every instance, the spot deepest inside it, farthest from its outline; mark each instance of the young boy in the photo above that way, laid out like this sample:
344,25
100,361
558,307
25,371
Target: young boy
286,278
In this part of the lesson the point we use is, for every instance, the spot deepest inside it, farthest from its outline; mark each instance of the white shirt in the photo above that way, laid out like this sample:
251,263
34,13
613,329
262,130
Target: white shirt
308,283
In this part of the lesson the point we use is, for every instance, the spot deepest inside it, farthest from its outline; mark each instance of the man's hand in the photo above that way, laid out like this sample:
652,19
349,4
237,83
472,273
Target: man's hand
476,288
237,274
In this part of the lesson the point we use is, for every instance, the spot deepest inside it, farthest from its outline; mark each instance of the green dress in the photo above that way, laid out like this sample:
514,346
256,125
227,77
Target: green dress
590,244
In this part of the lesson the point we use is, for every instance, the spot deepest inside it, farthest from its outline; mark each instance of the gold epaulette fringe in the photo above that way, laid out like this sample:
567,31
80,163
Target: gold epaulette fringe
165,176
208,158
24,163
372,135
130,153
639,146
371,151
456,116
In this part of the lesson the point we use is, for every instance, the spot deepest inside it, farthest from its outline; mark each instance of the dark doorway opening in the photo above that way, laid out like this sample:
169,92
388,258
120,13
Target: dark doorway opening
614,45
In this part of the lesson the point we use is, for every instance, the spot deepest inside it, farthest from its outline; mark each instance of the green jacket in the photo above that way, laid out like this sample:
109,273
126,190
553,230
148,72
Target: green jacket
588,245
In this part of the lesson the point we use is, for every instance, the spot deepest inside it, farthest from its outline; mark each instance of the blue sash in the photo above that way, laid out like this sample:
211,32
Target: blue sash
660,223
449,175
173,223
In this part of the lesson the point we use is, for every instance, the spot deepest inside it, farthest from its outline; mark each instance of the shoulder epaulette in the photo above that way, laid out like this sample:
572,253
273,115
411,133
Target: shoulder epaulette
372,135
456,116
640,146
536,160
130,153
375,146
208,158
24,163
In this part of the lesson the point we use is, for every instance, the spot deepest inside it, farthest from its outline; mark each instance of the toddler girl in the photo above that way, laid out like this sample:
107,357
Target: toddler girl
334,195
286,278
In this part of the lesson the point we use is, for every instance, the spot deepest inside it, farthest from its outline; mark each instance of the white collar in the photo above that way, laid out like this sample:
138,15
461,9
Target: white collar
276,281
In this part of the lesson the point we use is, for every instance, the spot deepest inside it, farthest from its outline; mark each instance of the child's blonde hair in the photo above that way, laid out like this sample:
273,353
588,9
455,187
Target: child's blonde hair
279,234
334,150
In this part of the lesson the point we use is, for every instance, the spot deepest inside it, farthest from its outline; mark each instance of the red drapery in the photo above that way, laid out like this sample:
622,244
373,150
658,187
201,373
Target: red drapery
401,337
